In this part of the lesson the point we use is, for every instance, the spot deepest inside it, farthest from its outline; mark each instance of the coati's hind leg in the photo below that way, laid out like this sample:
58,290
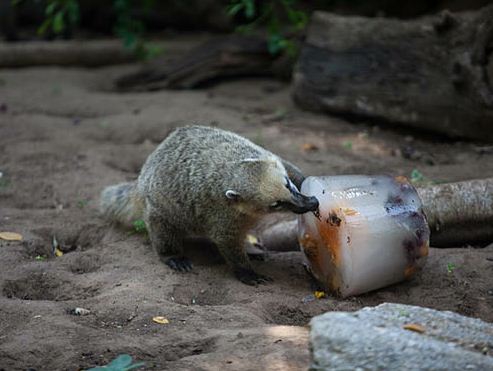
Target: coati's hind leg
231,246
167,240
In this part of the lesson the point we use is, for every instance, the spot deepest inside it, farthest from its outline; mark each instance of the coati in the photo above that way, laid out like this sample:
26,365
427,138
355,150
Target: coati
203,181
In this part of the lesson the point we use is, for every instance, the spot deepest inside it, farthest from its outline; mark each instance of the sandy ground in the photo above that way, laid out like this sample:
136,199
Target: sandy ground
64,136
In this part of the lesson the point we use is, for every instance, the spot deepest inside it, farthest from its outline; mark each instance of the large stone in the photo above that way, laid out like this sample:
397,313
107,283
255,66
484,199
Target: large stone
376,339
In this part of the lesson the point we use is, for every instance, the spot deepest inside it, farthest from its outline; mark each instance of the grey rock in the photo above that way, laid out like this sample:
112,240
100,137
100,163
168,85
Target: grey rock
375,339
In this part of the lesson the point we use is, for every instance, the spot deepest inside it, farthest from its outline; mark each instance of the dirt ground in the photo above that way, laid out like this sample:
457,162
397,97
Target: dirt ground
64,135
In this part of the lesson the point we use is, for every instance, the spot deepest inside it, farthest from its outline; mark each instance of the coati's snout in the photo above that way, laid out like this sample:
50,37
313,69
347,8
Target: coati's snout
297,203
302,204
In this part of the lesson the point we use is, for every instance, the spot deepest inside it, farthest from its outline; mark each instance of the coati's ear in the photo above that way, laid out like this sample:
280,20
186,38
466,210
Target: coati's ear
256,165
232,195
256,160
251,159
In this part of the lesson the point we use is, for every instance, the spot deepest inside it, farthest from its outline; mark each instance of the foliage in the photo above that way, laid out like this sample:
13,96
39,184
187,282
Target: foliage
4,183
417,176
63,15
121,363
139,226
131,30
347,144
280,17
82,203
60,16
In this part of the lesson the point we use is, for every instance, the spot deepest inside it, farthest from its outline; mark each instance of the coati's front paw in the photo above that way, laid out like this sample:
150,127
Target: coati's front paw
180,264
249,277
259,256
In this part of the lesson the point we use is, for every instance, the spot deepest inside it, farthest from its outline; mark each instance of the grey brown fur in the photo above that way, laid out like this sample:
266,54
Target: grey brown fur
207,182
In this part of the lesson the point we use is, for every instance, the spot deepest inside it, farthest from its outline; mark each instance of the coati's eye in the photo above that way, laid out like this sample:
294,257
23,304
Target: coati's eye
275,205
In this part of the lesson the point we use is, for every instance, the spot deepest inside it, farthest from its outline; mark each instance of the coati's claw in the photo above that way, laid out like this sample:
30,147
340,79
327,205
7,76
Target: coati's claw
249,277
180,264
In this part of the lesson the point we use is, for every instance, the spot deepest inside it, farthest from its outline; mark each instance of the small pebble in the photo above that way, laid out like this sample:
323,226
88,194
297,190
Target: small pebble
79,311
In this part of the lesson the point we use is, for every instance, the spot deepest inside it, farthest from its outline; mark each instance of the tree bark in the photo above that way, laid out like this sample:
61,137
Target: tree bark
433,73
457,213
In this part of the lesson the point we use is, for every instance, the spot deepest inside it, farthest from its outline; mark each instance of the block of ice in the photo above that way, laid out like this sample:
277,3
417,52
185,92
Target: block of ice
370,232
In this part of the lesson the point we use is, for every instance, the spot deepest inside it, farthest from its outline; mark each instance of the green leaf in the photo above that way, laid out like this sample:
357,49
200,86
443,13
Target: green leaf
244,29
4,183
129,38
148,4
73,11
274,43
139,226
82,203
120,5
450,267
291,48
249,8
299,19
58,23
417,176
150,51
50,8
121,362
274,27
44,27
234,9
348,144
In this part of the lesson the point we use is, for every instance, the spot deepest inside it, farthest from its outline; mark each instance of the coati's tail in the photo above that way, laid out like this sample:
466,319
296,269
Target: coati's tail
121,203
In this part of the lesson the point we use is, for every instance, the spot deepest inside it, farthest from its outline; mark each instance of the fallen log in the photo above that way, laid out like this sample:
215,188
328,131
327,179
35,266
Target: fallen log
282,236
218,58
64,53
457,213
433,73
87,53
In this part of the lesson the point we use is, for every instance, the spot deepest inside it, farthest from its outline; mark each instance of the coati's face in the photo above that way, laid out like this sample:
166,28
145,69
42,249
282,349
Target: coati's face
269,189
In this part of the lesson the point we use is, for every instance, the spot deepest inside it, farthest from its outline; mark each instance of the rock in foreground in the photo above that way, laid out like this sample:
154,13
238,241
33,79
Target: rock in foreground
396,336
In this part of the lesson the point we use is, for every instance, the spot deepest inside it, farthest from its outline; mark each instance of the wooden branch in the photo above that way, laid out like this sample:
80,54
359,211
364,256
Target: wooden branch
224,57
64,53
282,236
458,213
433,73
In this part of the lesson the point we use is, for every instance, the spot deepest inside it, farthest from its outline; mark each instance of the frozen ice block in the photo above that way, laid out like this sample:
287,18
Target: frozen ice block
370,232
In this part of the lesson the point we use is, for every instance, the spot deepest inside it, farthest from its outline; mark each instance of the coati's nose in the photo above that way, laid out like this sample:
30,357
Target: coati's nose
303,204
312,203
